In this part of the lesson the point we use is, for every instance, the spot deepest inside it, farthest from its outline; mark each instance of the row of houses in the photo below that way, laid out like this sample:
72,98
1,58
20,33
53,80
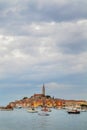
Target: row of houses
41,100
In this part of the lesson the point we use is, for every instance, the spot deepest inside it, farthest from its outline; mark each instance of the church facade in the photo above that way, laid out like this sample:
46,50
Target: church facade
42,94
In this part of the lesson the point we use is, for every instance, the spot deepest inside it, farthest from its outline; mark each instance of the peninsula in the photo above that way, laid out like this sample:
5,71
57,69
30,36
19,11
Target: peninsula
39,100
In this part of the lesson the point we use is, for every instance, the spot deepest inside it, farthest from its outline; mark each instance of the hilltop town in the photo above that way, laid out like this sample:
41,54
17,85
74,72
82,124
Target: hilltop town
39,100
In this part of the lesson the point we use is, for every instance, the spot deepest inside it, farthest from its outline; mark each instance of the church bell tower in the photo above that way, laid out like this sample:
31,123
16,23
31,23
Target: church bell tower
43,90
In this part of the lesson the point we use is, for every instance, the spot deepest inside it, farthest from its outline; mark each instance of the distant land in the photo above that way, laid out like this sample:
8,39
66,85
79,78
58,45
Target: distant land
40,100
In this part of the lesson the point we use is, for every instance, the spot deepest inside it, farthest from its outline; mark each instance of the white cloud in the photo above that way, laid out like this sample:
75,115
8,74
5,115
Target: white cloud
54,85
49,48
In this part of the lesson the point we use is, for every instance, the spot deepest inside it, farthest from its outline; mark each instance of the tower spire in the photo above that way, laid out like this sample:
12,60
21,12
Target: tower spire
43,90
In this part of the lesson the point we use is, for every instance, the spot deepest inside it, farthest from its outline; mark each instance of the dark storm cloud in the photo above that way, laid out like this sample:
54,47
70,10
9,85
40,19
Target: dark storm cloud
74,47
72,10
31,11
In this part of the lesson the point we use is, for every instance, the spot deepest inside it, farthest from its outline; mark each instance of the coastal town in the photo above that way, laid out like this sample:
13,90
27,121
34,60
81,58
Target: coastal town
41,99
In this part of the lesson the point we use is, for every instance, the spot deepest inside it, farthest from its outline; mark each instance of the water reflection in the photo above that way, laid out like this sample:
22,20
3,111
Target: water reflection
58,120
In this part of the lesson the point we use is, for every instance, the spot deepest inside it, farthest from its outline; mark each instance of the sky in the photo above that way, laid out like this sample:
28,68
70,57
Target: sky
43,41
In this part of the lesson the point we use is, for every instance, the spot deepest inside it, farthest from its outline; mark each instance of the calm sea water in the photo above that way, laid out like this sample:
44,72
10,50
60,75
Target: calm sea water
57,120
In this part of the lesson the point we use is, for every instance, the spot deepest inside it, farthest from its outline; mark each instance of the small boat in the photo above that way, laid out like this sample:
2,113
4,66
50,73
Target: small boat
43,114
83,110
32,110
73,111
45,109
18,107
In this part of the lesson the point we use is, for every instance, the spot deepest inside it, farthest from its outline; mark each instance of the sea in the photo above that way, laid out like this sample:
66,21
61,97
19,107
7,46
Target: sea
21,119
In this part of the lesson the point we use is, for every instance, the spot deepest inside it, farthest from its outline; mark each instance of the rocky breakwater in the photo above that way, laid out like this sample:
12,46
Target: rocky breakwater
7,108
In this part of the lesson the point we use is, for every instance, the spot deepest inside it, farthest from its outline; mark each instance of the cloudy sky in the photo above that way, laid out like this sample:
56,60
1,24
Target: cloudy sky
43,41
